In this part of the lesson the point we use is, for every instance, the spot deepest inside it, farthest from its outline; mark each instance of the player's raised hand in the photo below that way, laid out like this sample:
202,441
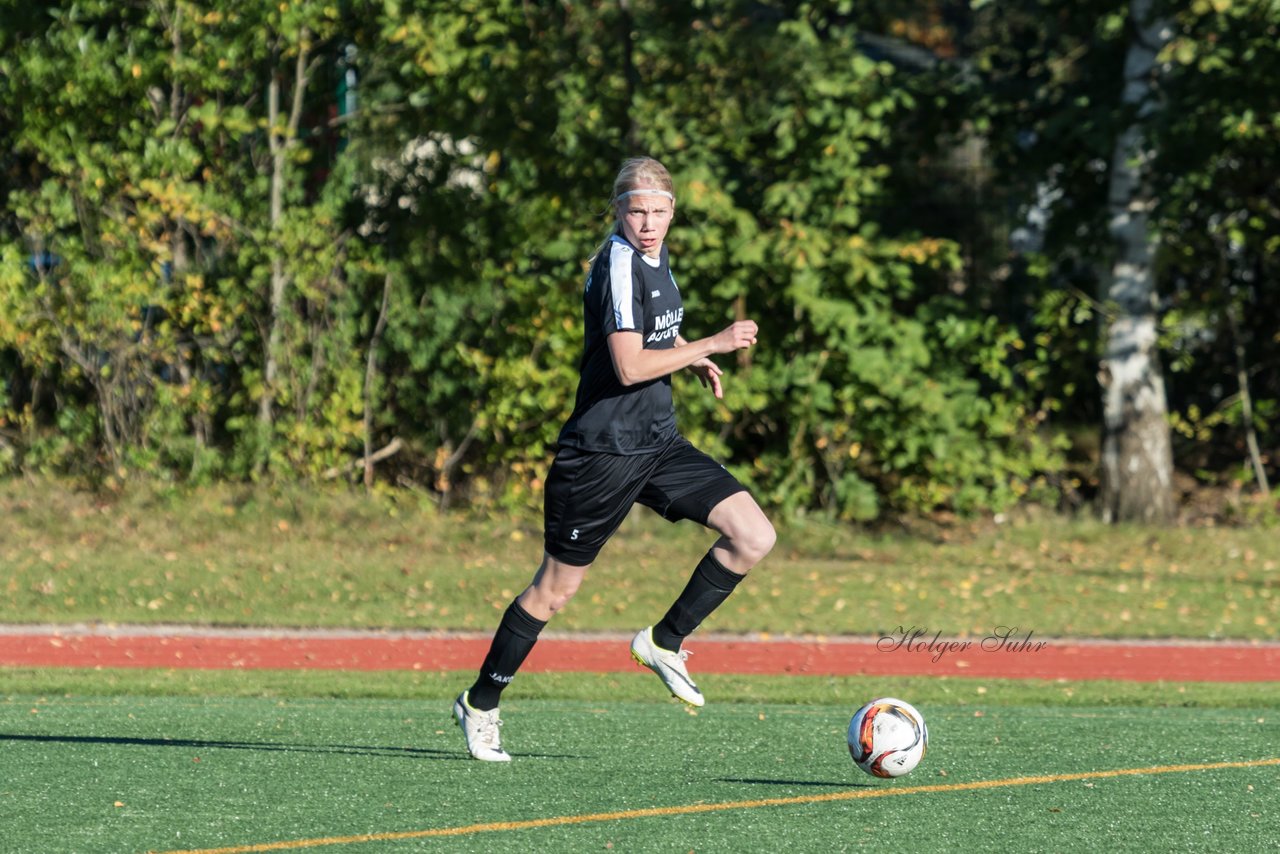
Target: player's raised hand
736,336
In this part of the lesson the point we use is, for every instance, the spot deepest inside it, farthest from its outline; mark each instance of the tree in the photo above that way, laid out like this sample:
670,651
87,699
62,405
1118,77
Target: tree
187,221
1137,461
465,195
1194,158
1075,147
1220,200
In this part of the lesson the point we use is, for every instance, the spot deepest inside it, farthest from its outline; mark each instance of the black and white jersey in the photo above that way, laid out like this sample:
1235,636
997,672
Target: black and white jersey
625,291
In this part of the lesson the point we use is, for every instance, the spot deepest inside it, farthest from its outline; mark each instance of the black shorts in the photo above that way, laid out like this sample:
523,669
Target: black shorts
589,494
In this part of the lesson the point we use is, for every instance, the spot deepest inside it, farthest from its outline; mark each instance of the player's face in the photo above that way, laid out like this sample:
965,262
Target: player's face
645,220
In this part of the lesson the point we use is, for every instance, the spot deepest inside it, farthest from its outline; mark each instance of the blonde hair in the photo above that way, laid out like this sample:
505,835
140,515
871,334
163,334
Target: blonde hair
637,174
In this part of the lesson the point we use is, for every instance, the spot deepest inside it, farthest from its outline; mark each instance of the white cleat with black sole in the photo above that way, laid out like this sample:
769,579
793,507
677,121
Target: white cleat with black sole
668,665
481,731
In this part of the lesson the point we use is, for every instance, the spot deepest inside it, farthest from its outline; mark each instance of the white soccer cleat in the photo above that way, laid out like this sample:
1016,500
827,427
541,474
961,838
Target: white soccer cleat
668,665
481,731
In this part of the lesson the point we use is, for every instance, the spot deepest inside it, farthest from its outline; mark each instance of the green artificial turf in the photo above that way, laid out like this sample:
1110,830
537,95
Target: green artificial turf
135,774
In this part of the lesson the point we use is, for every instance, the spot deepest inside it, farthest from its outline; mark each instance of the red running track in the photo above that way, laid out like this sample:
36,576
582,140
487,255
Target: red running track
902,655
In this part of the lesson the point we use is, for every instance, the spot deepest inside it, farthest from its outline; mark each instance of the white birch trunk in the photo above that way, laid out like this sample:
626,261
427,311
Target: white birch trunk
280,144
1137,458
266,404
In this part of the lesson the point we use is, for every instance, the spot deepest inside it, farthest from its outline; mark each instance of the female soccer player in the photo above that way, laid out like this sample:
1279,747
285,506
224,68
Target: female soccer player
621,446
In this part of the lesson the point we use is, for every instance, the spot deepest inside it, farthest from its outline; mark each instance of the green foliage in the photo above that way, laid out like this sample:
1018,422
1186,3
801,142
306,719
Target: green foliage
1219,199
159,240
846,406
1047,89
472,177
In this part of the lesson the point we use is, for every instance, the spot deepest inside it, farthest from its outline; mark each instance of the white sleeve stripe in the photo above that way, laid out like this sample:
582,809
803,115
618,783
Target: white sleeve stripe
620,285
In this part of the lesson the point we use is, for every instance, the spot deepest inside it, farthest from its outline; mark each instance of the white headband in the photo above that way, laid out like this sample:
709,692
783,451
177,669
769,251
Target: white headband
662,193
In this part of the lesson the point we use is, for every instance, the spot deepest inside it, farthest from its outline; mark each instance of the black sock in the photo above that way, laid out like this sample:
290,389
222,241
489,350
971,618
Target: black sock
710,585
515,637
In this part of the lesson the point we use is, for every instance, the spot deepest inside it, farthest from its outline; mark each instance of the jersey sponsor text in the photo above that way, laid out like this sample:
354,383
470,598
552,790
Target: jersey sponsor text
666,325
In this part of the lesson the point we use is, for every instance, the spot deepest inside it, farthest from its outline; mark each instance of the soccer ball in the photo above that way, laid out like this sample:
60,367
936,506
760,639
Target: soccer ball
887,737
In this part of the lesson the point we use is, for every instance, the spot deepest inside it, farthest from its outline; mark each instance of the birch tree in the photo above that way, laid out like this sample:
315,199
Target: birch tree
1137,458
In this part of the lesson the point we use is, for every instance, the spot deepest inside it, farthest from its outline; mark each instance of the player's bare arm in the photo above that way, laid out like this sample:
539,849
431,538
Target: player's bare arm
634,364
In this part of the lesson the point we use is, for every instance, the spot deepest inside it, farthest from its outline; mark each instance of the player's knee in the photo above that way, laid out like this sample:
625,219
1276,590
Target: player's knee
765,537
559,600
548,597
555,597
755,541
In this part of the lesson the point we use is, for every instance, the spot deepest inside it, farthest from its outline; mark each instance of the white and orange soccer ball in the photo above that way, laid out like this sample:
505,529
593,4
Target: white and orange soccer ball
887,737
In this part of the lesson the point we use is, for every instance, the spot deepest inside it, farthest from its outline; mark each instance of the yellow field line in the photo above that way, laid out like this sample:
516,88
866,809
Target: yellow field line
655,812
